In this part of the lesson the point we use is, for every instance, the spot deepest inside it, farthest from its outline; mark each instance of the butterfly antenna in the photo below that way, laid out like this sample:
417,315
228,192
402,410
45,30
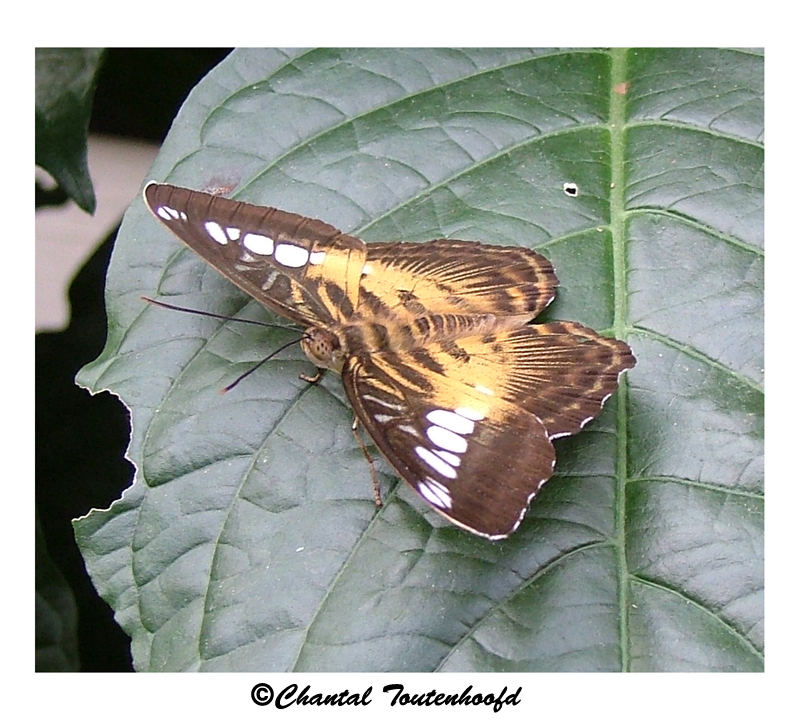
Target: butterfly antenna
192,311
261,362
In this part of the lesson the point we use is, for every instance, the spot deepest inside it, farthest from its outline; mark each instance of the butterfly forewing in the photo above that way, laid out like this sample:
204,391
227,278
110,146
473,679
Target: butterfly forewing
303,269
454,385
472,420
474,458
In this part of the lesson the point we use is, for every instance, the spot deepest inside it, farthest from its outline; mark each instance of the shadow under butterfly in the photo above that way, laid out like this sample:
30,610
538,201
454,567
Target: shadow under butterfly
433,340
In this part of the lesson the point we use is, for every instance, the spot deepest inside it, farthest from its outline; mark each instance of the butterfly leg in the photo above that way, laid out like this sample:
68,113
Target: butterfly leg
313,380
376,486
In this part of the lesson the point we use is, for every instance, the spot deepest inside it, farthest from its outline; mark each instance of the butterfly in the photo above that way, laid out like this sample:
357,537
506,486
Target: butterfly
457,388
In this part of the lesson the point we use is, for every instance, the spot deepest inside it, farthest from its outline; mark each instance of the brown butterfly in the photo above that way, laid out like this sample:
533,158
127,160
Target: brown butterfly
433,341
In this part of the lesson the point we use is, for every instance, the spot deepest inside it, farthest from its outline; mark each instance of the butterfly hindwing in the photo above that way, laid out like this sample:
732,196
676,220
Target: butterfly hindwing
458,277
562,372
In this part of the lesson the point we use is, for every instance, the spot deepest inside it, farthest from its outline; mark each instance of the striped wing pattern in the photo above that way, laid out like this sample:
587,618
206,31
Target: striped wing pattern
476,433
458,277
459,391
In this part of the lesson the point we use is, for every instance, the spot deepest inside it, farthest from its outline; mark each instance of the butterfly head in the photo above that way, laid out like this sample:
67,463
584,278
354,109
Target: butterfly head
323,348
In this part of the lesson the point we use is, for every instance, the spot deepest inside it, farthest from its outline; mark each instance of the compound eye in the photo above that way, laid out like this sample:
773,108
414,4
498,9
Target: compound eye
321,349
319,345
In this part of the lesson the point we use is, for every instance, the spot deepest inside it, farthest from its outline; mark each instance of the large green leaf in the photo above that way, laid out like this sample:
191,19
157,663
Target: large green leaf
250,539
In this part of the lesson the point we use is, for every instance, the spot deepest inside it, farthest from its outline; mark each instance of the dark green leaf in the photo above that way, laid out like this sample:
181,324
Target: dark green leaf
65,82
250,540
56,615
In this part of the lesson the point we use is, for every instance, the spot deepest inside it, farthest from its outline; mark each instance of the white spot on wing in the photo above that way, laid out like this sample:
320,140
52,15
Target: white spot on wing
446,439
271,278
410,429
435,462
291,255
216,232
451,421
392,406
470,413
259,244
317,257
435,493
234,233
454,460
165,212
484,390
